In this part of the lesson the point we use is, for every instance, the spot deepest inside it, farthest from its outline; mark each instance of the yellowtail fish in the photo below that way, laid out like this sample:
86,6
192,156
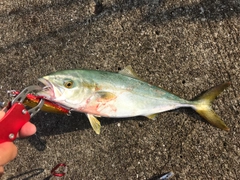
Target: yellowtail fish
120,95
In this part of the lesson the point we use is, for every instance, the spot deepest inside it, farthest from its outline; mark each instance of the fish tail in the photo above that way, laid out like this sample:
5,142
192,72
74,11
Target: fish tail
202,105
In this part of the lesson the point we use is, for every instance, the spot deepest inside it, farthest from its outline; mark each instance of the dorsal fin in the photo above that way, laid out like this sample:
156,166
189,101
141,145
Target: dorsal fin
128,71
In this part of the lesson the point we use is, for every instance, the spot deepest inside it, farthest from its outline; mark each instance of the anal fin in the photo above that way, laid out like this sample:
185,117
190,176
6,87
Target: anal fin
152,116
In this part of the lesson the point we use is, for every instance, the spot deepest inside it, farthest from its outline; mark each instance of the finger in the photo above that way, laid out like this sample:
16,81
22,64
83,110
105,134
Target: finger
8,151
1,171
2,113
27,130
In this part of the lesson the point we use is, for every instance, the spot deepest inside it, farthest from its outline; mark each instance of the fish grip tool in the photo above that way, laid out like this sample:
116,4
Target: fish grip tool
17,115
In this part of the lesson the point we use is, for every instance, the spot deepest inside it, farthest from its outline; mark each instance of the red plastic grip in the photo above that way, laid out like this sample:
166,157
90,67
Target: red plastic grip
12,122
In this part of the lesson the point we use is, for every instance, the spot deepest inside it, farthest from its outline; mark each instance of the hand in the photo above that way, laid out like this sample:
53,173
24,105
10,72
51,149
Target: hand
8,151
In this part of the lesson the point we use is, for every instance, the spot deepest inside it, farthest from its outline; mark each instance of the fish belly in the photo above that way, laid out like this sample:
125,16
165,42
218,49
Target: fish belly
129,105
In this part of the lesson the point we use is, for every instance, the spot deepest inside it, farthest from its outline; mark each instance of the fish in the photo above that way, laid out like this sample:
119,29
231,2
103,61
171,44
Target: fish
120,95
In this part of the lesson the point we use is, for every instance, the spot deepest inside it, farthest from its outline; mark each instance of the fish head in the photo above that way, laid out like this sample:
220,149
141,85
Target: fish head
62,88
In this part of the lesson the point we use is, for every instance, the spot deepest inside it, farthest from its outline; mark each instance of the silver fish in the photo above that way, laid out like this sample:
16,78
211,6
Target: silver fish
120,95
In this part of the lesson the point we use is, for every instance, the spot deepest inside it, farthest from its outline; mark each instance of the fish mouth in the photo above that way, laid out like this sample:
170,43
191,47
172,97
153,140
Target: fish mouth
47,90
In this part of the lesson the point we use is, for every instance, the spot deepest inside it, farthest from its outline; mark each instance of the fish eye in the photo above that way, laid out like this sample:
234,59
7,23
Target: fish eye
68,84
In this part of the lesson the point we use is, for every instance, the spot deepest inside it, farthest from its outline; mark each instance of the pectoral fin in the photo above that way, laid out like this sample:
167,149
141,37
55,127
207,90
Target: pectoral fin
96,125
104,96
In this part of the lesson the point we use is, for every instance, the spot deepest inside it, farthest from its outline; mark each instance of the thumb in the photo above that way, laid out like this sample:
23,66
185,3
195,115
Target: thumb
8,151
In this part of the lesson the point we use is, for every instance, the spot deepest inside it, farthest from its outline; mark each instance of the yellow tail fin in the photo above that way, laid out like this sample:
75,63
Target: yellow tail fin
203,106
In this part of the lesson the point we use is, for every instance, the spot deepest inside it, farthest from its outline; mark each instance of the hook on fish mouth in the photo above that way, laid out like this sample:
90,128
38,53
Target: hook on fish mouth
47,88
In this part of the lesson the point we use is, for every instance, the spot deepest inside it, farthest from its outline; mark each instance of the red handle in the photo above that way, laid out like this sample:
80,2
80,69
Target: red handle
12,122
